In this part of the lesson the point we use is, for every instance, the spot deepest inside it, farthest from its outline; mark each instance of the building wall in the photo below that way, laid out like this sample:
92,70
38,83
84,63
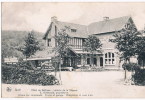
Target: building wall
78,43
73,42
53,34
109,47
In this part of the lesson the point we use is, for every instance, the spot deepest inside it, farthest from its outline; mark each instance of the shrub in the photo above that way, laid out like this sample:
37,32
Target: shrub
17,75
139,76
24,65
130,66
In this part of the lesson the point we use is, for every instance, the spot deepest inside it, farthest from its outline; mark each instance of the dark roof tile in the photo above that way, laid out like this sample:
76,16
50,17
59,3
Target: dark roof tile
110,25
83,31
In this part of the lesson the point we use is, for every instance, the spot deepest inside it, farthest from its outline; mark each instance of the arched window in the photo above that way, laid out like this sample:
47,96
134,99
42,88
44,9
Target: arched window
109,58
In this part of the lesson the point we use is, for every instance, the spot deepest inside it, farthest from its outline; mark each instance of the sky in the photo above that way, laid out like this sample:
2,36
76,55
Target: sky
37,16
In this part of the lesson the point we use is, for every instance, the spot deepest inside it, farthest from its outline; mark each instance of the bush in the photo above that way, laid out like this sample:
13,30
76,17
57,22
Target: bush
16,75
90,69
130,66
139,76
24,65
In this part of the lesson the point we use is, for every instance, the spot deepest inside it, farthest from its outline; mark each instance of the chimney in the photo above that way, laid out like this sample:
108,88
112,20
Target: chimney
53,19
105,18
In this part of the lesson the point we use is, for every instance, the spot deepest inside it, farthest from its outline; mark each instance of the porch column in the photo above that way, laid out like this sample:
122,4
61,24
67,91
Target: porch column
103,60
83,58
98,61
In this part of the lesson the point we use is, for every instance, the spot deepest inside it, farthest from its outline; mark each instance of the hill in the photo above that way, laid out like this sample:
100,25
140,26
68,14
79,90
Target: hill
10,40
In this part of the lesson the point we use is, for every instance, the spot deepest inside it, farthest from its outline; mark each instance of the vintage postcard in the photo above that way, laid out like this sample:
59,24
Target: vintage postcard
73,50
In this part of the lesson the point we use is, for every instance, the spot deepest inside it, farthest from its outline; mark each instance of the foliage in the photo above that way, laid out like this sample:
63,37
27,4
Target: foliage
88,69
11,40
16,75
141,48
62,48
24,65
62,40
31,45
92,44
130,66
126,41
139,77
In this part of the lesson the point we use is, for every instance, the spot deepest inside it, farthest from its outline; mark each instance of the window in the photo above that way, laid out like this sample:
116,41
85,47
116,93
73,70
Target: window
73,30
112,55
95,61
106,55
49,42
88,61
109,58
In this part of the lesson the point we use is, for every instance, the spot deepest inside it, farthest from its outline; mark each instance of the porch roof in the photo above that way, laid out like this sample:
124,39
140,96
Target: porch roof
80,51
42,55
39,58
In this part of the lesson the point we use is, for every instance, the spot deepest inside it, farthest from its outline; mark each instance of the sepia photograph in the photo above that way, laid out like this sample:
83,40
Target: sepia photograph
73,50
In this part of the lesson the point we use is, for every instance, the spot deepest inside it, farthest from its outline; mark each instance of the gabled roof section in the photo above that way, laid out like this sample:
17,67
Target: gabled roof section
109,25
48,32
81,30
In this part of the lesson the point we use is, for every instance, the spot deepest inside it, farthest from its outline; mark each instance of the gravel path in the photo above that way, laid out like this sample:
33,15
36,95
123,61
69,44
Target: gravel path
106,84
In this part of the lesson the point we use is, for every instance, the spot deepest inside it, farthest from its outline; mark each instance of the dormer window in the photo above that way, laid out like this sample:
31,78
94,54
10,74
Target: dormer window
73,30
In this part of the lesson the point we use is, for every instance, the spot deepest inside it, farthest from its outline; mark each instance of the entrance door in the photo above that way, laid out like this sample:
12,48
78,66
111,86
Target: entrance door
101,61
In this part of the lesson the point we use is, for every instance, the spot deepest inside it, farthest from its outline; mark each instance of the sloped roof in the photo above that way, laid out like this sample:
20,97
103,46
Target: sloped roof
48,31
44,54
81,30
110,25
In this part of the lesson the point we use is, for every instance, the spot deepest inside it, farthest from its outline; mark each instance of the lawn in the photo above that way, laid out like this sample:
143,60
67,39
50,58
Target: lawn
105,84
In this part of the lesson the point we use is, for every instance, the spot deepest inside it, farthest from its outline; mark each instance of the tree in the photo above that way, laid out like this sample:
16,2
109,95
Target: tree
126,41
8,48
62,40
30,46
92,44
140,51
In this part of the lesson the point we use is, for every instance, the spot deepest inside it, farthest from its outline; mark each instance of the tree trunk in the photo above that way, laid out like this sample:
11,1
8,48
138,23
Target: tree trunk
92,60
55,64
125,77
125,71
125,74
60,71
